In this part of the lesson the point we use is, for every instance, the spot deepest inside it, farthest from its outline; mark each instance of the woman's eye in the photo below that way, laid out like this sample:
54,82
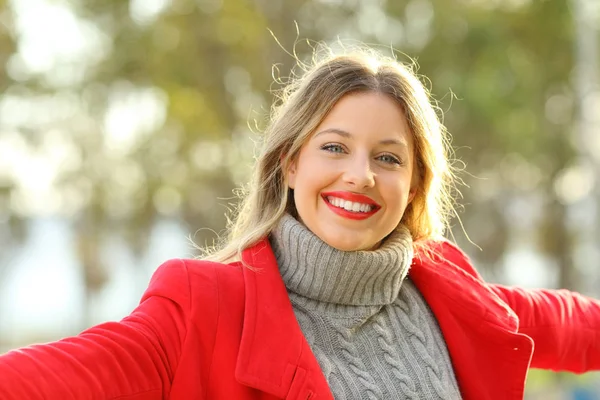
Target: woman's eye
333,148
390,159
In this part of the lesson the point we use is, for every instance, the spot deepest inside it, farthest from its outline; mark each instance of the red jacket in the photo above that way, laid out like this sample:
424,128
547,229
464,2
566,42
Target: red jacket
212,331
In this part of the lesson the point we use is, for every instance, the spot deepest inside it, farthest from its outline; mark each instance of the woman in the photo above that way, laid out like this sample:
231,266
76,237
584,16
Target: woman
335,280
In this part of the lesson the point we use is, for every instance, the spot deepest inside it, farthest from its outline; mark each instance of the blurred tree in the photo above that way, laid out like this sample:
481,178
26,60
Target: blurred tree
194,70
13,227
503,61
165,104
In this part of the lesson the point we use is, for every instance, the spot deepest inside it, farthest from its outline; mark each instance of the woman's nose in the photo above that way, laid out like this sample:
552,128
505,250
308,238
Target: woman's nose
359,174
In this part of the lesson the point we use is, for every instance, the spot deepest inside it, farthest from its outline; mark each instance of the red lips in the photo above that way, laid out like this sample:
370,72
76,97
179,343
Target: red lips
354,197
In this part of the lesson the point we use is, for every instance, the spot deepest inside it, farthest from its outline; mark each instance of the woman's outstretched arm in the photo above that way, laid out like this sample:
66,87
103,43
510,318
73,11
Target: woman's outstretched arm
564,325
132,359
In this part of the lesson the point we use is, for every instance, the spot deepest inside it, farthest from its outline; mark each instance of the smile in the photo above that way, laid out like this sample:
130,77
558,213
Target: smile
350,205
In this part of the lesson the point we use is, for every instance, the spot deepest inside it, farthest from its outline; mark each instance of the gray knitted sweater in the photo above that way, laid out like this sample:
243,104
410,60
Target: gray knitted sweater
369,327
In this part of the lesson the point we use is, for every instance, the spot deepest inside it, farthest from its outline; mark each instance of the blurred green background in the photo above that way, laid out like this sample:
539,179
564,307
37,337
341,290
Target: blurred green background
125,126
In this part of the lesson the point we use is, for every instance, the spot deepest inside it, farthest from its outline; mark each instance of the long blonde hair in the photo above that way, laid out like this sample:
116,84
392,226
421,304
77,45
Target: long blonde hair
302,105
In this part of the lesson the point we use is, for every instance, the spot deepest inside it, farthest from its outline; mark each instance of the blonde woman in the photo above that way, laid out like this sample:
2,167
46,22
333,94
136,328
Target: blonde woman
335,281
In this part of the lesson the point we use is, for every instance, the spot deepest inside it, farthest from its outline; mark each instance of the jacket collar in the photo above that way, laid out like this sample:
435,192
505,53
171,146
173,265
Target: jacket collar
274,356
439,269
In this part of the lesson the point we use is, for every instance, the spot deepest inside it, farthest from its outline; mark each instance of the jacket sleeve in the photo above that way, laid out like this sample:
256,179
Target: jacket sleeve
565,326
131,359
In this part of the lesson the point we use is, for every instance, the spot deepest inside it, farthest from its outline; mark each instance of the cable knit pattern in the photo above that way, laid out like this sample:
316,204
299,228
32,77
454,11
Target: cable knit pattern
370,329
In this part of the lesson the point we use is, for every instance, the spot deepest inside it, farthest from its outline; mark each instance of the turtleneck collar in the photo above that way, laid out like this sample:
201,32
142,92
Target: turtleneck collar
313,269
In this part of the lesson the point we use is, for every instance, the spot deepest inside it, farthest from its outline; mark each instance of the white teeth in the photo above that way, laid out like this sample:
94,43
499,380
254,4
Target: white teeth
349,205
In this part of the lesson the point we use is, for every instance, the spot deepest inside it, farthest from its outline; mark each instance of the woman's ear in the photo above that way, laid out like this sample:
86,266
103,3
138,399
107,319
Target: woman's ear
291,175
289,172
411,194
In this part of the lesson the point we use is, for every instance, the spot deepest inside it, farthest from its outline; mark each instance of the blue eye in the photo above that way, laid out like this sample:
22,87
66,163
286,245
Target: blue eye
389,159
333,148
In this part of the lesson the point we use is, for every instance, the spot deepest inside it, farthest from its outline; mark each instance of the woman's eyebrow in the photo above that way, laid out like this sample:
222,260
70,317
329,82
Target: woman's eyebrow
346,134
394,141
340,132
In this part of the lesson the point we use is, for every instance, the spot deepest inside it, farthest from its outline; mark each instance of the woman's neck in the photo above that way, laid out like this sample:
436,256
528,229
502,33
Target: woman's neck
312,268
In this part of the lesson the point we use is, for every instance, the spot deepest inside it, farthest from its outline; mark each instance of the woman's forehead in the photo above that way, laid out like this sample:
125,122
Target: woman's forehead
373,116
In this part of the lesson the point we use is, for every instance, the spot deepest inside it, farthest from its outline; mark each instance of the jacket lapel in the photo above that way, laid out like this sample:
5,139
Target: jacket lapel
479,329
274,356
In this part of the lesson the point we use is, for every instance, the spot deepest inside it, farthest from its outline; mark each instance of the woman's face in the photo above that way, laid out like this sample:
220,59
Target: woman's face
353,178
